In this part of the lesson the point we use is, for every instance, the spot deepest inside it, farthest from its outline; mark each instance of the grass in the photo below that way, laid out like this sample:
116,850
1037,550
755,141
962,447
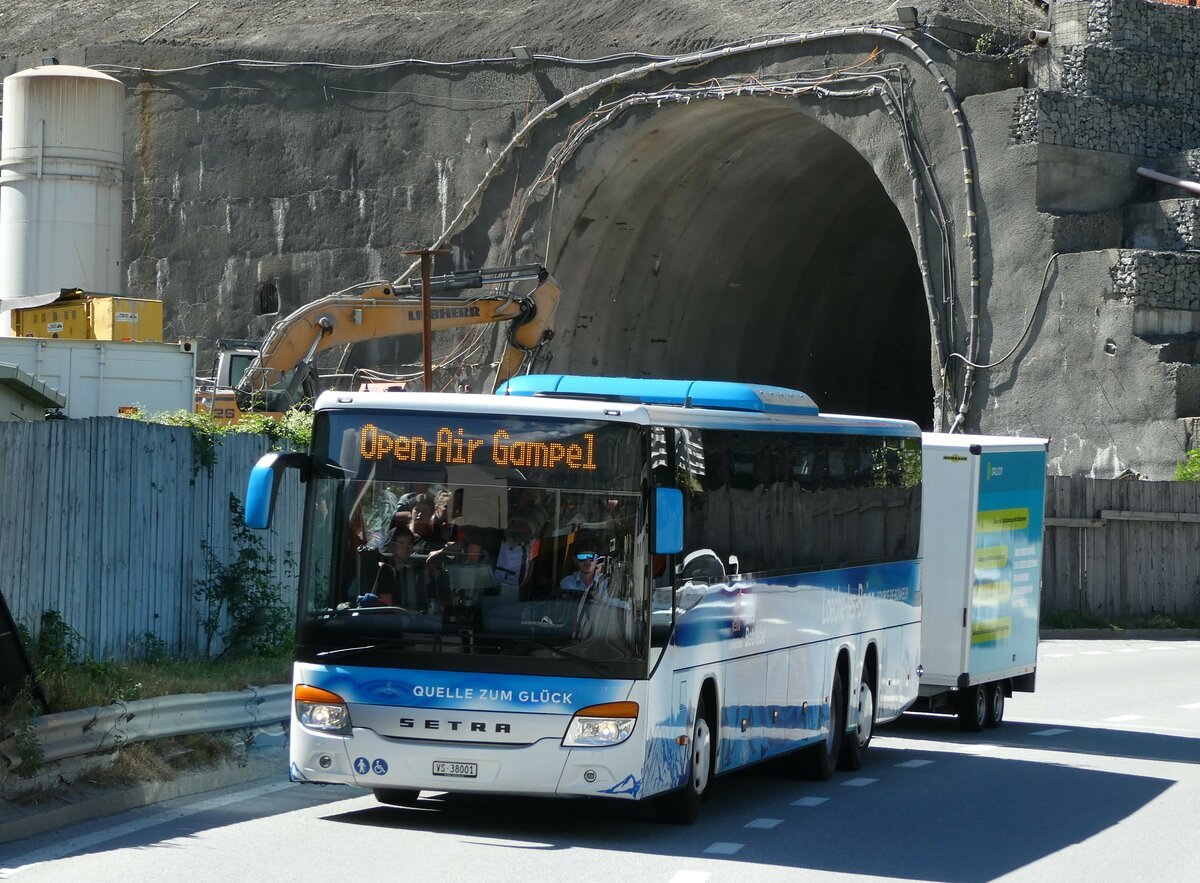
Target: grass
100,683
1070,620
141,763
91,683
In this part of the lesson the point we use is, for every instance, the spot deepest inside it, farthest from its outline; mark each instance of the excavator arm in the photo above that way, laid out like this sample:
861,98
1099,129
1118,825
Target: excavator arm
275,377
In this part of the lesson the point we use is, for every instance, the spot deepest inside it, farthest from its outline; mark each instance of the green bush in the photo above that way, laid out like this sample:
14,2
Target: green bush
1189,469
294,428
241,598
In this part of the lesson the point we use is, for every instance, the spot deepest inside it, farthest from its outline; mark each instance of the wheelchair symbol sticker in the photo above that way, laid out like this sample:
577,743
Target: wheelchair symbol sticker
362,766
379,767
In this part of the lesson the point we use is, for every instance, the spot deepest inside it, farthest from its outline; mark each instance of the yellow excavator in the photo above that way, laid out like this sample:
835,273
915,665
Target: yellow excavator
279,374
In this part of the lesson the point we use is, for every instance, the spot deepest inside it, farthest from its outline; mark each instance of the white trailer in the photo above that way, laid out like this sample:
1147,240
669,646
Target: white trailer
102,378
983,503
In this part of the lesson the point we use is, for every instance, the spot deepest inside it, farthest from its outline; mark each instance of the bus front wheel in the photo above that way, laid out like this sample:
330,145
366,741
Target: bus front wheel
397,796
682,807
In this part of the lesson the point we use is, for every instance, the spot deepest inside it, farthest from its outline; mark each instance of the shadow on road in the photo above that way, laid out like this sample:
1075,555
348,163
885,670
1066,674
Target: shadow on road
1101,741
960,818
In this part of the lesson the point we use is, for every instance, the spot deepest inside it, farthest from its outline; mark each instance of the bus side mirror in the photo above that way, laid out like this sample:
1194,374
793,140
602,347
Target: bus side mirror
263,486
668,521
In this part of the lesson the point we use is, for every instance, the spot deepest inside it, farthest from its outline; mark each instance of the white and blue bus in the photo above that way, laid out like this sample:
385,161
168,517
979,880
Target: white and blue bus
597,587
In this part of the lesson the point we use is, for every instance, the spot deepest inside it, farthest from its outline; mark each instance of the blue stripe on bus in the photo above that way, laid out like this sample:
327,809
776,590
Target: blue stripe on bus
475,691
801,608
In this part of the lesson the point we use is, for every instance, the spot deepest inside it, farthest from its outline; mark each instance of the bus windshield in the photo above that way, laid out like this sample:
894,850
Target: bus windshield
476,543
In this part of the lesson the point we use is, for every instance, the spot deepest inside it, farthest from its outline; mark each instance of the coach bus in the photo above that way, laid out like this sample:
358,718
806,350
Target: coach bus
597,587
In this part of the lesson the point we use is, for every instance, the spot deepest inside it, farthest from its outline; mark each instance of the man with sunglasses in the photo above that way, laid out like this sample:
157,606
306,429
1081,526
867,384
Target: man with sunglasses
588,577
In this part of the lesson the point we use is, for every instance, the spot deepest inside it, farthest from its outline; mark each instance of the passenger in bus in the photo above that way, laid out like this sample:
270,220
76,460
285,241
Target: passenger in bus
399,583
425,531
514,558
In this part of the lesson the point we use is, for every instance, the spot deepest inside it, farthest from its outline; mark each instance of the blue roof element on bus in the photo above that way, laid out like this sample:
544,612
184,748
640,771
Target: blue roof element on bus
687,393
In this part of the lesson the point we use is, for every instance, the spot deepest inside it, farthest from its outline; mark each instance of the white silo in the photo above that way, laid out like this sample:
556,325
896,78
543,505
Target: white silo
61,175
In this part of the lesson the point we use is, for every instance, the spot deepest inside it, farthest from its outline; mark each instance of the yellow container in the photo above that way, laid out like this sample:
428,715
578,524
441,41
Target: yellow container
126,318
79,316
67,319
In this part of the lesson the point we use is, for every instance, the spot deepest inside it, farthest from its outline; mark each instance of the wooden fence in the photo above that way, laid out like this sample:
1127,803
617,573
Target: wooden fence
105,521
1121,548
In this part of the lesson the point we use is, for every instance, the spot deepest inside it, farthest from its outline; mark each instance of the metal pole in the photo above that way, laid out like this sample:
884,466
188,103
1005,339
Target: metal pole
1192,186
426,255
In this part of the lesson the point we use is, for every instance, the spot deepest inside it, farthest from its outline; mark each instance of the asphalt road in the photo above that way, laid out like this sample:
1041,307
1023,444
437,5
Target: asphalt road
1094,777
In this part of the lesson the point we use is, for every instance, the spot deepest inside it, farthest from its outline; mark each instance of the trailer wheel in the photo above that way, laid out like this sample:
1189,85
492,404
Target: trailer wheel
995,705
854,743
682,807
972,708
821,759
397,796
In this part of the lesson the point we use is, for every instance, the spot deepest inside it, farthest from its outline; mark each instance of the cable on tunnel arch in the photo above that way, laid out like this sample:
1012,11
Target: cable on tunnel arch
791,86
471,205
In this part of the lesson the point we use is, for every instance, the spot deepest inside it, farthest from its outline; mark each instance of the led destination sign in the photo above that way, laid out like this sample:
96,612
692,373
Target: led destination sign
455,446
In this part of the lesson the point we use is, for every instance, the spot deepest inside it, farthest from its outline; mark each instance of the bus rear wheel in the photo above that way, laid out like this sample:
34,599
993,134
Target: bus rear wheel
682,807
855,742
397,796
821,759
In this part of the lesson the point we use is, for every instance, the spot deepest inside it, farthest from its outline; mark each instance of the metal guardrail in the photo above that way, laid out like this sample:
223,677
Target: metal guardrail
94,730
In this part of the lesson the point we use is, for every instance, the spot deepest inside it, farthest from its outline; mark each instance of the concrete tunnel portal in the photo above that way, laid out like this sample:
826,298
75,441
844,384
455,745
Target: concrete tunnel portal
740,240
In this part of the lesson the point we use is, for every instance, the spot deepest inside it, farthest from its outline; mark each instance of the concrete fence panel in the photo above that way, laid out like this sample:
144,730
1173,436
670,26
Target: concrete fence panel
105,520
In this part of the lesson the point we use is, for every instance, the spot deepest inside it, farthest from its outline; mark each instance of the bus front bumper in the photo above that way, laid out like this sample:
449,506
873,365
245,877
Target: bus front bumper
367,760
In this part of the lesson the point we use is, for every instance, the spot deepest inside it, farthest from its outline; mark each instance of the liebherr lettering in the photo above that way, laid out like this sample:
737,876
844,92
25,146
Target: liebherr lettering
446,313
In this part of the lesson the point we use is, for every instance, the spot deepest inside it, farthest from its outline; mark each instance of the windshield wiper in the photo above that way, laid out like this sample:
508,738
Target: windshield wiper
347,650
598,666
403,643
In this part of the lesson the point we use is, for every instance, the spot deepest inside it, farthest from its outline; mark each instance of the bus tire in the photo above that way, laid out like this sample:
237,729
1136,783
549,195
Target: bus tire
856,742
822,759
995,705
972,708
682,807
397,796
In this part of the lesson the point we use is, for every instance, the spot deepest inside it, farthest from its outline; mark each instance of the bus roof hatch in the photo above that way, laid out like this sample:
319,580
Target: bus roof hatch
714,394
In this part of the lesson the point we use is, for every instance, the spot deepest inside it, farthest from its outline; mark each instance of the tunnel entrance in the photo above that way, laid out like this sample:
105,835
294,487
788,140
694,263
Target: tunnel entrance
740,240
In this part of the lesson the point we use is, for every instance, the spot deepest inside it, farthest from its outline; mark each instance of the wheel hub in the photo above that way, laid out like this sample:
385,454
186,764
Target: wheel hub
866,714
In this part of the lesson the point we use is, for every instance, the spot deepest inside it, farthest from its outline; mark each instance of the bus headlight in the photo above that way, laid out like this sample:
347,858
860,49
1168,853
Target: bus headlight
607,724
319,709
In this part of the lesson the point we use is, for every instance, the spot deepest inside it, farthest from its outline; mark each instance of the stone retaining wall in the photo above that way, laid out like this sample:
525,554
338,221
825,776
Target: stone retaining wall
1124,75
1166,280
1158,28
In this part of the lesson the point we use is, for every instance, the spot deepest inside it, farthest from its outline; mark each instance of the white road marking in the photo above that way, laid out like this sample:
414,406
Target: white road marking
1191,705
1094,653
913,764
1129,649
859,783
691,877
106,834
1053,731
1123,718
724,848
764,823
809,801
1057,655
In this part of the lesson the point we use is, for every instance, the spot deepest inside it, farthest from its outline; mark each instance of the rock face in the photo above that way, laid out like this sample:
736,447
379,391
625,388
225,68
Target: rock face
858,213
